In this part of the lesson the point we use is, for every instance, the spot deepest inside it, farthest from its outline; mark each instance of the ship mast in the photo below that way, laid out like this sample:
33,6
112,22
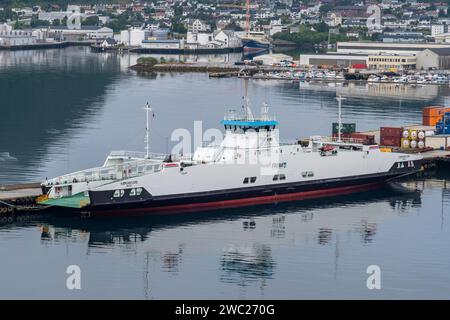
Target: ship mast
339,99
147,131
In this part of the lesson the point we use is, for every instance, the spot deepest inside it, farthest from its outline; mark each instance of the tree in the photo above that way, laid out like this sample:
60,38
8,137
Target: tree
178,27
147,61
39,23
56,22
91,21
178,11
325,8
234,26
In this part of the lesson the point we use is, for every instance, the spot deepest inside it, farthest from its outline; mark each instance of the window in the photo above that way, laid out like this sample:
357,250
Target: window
276,177
132,192
138,191
282,177
249,179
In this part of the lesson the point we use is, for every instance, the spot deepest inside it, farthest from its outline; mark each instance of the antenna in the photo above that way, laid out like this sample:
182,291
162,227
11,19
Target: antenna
147,131
339,99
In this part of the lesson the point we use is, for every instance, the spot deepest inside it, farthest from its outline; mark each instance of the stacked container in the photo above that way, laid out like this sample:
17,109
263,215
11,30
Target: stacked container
413,139
433,114
390,137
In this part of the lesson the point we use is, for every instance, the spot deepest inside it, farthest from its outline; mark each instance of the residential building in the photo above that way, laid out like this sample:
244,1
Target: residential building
198,26
437,29
396,37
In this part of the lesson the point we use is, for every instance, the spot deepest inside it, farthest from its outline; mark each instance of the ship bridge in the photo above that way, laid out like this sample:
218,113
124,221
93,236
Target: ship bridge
235,123
243,124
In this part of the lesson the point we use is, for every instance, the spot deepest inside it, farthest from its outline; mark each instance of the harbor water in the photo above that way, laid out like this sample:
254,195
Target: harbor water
65,110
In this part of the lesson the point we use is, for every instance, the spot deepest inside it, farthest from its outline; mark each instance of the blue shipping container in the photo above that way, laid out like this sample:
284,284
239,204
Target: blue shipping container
440,127
447,117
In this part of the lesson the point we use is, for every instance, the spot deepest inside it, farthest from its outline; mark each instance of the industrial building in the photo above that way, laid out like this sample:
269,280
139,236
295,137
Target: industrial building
383,56
436,58
16,38
356,47
82,33
272,59
334,59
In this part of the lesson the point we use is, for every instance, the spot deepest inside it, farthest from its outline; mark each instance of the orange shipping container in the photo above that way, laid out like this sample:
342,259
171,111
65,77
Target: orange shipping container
434,111
431,121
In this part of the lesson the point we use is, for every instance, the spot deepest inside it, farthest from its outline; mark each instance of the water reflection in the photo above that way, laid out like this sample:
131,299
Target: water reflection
378,90
248,248
245,264
46,96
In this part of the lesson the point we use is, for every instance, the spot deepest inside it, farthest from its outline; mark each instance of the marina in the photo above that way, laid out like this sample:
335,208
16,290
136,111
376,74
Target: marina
304,74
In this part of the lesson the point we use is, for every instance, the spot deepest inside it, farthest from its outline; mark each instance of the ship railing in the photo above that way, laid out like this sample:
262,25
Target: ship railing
346,140
115,172
288,142
232,116
138,154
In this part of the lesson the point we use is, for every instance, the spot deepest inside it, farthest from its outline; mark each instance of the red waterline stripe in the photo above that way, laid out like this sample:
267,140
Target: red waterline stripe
194,207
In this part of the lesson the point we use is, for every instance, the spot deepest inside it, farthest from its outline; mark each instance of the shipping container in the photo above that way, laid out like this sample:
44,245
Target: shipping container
390,141
390,136
447,117
433,111
345,128
431,120
390,132
440,127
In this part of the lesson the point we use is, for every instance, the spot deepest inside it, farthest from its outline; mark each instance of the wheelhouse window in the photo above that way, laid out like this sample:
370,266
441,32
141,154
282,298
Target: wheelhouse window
246,180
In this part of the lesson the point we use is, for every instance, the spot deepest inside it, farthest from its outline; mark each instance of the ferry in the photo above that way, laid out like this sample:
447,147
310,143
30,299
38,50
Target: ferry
249,167
255,41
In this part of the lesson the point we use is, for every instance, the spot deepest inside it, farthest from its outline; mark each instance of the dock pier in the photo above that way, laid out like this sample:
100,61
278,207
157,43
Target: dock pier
19,199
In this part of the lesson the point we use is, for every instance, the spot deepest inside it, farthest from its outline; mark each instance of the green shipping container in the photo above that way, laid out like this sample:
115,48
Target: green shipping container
346,128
